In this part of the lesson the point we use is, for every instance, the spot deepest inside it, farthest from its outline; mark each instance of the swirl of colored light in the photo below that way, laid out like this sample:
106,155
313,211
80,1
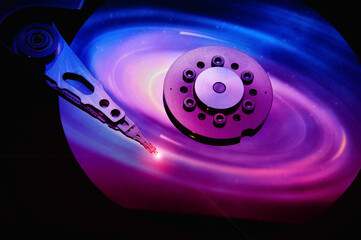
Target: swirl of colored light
302,160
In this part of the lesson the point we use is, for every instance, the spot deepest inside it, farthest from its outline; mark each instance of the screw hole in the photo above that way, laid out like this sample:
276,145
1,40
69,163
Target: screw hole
219,118
190,102
247,77
217,61
200,65
184,89
104,103
253,92
115,113
249,104
189,75
234,66
236,117
201,116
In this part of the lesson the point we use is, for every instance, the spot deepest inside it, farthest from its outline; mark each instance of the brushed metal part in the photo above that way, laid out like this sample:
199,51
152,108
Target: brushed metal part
219,88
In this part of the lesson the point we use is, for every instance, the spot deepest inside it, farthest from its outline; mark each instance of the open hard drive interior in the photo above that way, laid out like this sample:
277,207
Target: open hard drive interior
190,120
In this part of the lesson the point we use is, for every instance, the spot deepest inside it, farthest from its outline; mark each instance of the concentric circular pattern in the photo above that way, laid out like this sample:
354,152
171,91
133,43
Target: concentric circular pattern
218,90
304,157
38,41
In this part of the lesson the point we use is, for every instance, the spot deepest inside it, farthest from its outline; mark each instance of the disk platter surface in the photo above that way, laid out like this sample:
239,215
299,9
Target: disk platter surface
302,160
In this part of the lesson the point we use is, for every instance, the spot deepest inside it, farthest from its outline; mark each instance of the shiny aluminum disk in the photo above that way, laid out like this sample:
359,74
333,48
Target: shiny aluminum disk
302,160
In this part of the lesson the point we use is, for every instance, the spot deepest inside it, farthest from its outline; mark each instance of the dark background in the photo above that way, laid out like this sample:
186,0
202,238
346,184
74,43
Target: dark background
44,192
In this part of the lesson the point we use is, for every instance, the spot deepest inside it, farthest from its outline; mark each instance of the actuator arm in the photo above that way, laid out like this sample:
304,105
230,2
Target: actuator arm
42,46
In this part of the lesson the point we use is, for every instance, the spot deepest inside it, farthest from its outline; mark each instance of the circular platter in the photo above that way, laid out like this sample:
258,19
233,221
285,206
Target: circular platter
301,161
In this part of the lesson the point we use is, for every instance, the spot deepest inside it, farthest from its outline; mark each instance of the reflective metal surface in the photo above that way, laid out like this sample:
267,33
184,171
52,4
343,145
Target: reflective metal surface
43,47
219,88
301,161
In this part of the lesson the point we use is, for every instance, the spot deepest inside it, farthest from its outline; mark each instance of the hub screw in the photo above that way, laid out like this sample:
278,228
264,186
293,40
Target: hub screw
248,106
219,120
247,77
217,61
189,104
189,75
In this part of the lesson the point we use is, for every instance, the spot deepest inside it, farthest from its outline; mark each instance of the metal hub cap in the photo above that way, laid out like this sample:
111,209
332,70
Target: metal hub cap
219,88
217,94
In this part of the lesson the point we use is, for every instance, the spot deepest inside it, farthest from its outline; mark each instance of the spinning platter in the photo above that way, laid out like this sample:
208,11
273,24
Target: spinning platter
251,105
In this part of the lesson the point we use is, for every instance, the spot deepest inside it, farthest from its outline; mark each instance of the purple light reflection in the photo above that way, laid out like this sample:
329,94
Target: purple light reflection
300,162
